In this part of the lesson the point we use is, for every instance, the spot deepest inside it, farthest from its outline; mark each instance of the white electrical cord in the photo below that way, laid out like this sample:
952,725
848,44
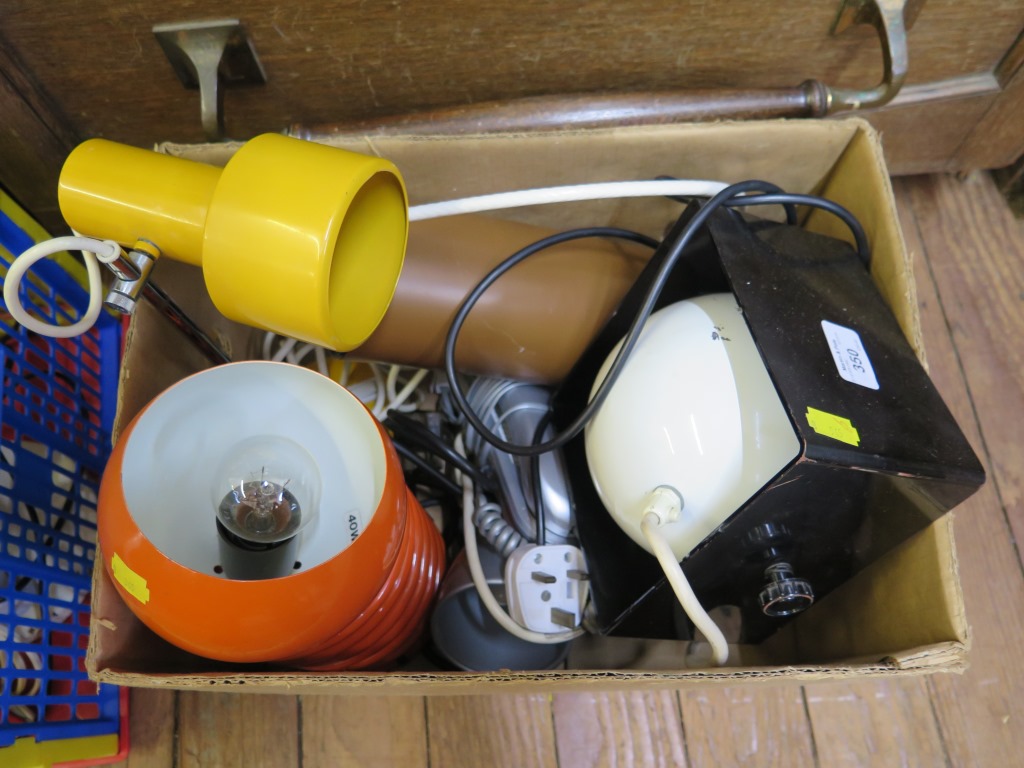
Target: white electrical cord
321,361
93,251
381,391
291,352
396,399
480,580
284,352
567,194
681,586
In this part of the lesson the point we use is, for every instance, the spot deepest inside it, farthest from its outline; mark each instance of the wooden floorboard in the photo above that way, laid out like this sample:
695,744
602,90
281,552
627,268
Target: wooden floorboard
364,732
981,289
974,256
153,728
874,723
491,731
623,729
970,274
237,730
748,726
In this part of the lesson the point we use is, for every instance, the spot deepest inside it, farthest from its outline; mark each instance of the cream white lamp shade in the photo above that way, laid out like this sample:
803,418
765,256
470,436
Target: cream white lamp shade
693,410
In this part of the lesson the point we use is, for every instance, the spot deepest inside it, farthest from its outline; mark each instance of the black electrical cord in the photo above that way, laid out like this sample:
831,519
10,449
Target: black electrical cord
735,194
470,301
775,195
787,199
450,530
413,432
791,217
440,480
537,487
420,434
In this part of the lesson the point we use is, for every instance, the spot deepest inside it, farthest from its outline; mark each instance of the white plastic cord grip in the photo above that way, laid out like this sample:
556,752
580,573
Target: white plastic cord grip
666,503
93,251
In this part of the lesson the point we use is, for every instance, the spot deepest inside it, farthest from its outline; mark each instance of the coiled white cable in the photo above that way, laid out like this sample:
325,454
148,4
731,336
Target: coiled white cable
496,530
567,194
93,251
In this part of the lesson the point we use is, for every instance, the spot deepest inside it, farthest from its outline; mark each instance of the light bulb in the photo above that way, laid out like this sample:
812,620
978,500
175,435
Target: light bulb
266,489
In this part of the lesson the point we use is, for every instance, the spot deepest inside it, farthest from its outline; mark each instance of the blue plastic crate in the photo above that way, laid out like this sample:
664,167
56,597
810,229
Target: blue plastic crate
56,415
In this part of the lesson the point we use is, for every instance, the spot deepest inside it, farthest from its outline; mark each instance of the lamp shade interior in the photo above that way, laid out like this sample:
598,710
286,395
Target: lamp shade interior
188,435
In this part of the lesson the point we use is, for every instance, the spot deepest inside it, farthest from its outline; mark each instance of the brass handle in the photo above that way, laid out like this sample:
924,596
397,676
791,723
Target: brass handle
210,55
889,18
811,98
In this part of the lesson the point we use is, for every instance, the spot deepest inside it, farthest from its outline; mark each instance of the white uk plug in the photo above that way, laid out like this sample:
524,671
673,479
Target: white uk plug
547,587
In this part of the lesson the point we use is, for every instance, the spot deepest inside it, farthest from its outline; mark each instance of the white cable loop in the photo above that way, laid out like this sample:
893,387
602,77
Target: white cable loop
397,401
380,400
112,254
567,194
268,343
282,353
93,252
321,361
301,353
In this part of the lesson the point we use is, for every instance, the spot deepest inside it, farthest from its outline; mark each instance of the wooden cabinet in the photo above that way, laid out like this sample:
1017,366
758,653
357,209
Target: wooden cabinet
69,71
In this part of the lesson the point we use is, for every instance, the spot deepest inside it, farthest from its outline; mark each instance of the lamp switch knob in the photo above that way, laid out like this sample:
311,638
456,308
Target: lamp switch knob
784,595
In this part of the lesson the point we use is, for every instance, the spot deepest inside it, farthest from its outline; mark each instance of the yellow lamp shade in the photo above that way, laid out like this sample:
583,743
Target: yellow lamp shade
295,237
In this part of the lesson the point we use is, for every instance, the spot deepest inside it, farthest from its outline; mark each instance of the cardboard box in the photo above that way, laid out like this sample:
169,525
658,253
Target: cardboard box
902,615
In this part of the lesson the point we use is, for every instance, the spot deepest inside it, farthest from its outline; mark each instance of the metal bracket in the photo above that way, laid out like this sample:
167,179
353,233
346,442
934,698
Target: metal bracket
892,19
210,55
132,272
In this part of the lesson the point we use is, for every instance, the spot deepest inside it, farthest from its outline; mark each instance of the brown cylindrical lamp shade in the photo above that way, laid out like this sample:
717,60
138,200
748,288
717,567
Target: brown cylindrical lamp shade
531,324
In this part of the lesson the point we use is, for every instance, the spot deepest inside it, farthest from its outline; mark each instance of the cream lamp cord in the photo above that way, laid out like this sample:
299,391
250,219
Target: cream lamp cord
480,581
381,394
93,251
568,194
650,526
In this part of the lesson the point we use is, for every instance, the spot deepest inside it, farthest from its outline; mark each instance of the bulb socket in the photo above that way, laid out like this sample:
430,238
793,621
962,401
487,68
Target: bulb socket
245,560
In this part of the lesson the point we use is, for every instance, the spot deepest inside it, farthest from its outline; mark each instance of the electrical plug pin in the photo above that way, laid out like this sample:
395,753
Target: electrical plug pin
547,587
563,618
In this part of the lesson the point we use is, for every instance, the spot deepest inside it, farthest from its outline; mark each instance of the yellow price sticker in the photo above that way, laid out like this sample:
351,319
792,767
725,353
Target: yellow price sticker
132,582
830,425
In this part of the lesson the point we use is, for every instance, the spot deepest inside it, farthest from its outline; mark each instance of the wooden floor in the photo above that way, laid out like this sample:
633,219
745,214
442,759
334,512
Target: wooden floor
969,255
